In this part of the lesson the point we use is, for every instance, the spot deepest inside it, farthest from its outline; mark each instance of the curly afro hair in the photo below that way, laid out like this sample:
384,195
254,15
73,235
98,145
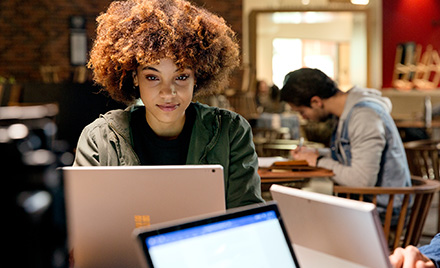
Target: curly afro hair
140,32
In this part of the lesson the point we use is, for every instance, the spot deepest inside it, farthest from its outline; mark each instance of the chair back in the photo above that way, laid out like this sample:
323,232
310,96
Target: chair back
423,161
423,158
411,219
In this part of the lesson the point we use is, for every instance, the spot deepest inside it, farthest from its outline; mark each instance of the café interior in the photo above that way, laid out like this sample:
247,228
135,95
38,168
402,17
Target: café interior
389,45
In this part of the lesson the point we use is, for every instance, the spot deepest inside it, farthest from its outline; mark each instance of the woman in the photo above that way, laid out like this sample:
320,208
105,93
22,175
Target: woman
165,52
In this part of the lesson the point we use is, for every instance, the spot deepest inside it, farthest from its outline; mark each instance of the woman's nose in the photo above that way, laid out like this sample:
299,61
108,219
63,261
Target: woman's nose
169,90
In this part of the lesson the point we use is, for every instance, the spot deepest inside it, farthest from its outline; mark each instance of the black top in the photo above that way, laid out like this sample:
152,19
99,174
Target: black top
153,150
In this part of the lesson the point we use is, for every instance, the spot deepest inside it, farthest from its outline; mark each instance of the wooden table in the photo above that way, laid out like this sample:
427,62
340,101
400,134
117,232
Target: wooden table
432,131
281,176
275,175
415,124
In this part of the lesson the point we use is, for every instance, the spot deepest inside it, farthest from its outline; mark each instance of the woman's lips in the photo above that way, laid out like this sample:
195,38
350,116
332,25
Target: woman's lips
168,107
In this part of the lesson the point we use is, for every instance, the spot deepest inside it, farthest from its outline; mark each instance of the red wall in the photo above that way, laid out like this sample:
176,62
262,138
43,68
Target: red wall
404,21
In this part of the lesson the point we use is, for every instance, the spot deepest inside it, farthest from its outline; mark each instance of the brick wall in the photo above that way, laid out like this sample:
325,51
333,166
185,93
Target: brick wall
35,33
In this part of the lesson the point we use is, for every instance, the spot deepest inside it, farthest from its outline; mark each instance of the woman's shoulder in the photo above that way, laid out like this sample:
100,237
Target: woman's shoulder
206,110
114,117
210,115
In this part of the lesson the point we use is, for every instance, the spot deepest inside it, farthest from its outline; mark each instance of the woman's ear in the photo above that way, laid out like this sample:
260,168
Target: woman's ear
135,79
316,102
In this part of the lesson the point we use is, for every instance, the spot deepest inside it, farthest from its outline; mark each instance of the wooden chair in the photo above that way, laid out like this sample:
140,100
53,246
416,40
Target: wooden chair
423,161
411,219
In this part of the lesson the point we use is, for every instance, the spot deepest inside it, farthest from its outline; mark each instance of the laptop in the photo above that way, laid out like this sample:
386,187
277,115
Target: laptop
329,231
250,236
105,204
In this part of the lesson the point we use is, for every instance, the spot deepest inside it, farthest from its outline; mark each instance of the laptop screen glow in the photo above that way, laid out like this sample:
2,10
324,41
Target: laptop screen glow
250,241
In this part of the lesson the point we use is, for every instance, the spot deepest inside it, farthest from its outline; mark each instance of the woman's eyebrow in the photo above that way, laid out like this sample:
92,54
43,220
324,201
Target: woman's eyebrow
156,70
150,68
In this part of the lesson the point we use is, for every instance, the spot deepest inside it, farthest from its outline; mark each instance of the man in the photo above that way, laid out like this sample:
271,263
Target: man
366,148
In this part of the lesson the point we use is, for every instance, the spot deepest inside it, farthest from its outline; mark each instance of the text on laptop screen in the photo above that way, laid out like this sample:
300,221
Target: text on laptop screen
249,241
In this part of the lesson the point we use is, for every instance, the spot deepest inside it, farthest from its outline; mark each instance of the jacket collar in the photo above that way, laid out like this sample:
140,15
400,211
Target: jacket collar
206,130
119,121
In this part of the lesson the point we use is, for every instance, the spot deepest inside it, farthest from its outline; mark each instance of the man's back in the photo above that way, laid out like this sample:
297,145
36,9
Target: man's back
366,146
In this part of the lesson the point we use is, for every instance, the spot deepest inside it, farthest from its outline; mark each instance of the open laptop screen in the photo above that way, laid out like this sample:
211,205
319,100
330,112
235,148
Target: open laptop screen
253,239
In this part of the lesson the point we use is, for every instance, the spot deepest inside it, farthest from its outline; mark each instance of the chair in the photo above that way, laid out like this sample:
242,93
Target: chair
423,161
411,219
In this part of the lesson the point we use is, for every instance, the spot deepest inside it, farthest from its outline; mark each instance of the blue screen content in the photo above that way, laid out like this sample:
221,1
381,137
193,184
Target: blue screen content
249,241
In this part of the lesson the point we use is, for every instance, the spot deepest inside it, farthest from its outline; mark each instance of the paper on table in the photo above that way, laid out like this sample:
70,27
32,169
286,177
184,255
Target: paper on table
268,161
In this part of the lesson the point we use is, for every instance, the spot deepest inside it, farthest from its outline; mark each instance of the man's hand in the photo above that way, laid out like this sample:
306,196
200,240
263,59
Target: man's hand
410,257
308,154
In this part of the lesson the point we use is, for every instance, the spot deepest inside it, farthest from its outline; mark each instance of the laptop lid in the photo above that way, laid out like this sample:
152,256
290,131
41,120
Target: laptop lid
250,236
105,204
329,231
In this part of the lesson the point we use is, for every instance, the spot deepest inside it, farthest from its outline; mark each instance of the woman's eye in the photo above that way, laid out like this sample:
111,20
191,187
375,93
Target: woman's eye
151,78
182,77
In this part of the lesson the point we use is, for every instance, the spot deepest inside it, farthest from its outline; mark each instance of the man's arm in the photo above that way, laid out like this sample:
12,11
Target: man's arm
367,141
432,251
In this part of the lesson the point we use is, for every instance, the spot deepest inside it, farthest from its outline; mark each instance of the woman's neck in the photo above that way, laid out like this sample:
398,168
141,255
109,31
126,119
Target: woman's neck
167,131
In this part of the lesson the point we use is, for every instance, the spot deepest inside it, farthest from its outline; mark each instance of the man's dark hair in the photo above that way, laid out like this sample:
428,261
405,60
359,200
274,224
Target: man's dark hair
301,85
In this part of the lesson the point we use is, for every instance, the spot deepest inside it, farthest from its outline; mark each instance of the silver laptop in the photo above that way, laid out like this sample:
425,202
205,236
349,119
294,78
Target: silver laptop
329,231
250,236
105,204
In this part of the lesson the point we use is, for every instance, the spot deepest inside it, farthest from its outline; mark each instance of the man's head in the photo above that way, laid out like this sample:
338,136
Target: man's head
306,89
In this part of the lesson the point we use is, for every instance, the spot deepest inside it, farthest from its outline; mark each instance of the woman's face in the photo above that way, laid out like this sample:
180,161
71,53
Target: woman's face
166,92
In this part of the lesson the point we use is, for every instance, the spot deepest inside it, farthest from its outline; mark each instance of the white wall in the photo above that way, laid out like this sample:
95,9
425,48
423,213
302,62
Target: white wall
340,29
374,48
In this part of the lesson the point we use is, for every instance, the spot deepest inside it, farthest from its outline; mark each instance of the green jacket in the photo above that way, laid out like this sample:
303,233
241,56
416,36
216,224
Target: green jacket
218,137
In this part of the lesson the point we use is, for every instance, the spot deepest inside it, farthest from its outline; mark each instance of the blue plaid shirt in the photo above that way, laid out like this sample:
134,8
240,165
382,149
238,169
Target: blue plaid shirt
432,250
